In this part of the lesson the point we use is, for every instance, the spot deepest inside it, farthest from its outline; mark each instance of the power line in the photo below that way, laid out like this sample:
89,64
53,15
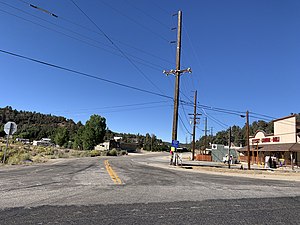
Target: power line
222,109
148,15
114,107
121,51
84,74
215,120
193,49
281,122
190,101
133,20
128,109
182,123
116,40
116,83
116,47
137,59
184,112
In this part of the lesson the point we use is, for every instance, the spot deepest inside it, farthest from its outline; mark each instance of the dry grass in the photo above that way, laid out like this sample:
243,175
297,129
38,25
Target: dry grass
27,154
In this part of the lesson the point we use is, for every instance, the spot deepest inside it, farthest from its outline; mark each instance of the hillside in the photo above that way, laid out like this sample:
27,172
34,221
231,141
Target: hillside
33,125
65,132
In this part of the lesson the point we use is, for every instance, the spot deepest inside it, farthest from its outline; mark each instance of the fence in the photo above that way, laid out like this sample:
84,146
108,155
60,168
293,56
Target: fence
200,157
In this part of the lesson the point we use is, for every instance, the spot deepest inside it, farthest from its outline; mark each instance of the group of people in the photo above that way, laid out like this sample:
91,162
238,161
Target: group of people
227,159
270,162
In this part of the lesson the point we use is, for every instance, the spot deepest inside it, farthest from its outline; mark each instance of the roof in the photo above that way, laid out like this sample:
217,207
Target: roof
290,147
283,118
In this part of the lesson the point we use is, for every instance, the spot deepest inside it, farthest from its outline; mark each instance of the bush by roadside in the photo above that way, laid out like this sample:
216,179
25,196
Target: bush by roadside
25,154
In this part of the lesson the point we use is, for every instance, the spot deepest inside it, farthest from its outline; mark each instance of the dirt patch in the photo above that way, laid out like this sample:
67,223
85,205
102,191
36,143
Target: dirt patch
263,174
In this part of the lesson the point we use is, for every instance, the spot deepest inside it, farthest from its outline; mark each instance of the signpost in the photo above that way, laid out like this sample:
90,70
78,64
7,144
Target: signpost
175,143
9,128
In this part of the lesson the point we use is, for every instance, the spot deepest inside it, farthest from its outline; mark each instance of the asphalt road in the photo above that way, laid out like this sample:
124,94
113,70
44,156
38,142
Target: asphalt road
82,191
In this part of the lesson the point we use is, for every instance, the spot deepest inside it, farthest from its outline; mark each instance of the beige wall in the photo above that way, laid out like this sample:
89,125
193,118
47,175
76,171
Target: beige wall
286,130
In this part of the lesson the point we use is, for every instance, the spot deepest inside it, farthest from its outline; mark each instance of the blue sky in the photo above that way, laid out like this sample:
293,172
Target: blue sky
244,56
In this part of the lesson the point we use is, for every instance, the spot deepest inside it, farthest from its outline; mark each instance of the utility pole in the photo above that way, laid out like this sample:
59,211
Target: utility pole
205,133
229,143
247,136
194,125
177,72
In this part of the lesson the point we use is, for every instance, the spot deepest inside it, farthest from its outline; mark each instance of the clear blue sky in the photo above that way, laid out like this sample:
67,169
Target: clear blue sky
244,55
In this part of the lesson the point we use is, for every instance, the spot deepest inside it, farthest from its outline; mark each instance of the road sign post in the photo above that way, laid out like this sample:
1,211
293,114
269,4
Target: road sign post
175,145
9,128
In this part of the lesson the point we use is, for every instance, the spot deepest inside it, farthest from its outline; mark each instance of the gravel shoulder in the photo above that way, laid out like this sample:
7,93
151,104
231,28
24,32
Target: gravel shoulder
257,174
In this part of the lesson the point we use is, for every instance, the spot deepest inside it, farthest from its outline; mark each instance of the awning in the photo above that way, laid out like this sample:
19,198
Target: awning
290,147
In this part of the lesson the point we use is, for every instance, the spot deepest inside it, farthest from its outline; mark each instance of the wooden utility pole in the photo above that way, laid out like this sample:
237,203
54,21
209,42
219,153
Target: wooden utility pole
247,138
229,143
177,78
205,133
194,125
177,72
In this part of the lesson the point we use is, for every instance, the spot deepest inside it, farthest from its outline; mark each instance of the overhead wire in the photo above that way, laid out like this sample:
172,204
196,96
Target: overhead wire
215,120
193,50
210,108
118,48
190,79
134,21
185,114
83,41
119,41
290,123
139,60
182,123
115,107
148,15
121,110
215,109
112,82
84,74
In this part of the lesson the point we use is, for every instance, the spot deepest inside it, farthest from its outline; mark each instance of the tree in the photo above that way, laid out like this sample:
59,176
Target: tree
94,131
222,138
237,136
78,143
61,137
147,142
88,139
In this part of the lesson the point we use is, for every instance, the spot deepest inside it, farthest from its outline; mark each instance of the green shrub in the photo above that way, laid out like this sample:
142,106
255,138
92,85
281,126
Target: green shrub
112,152
62,155
25,156
13,160
85,154
49,151
39,159
95,153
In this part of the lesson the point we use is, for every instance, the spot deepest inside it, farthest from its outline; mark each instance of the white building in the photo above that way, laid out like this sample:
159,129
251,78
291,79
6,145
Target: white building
43,142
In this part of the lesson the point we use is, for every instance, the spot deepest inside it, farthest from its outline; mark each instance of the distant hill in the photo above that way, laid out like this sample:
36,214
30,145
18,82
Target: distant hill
33,125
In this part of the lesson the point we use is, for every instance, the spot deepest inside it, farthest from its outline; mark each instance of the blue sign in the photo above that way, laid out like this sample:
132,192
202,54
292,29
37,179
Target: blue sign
175,143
